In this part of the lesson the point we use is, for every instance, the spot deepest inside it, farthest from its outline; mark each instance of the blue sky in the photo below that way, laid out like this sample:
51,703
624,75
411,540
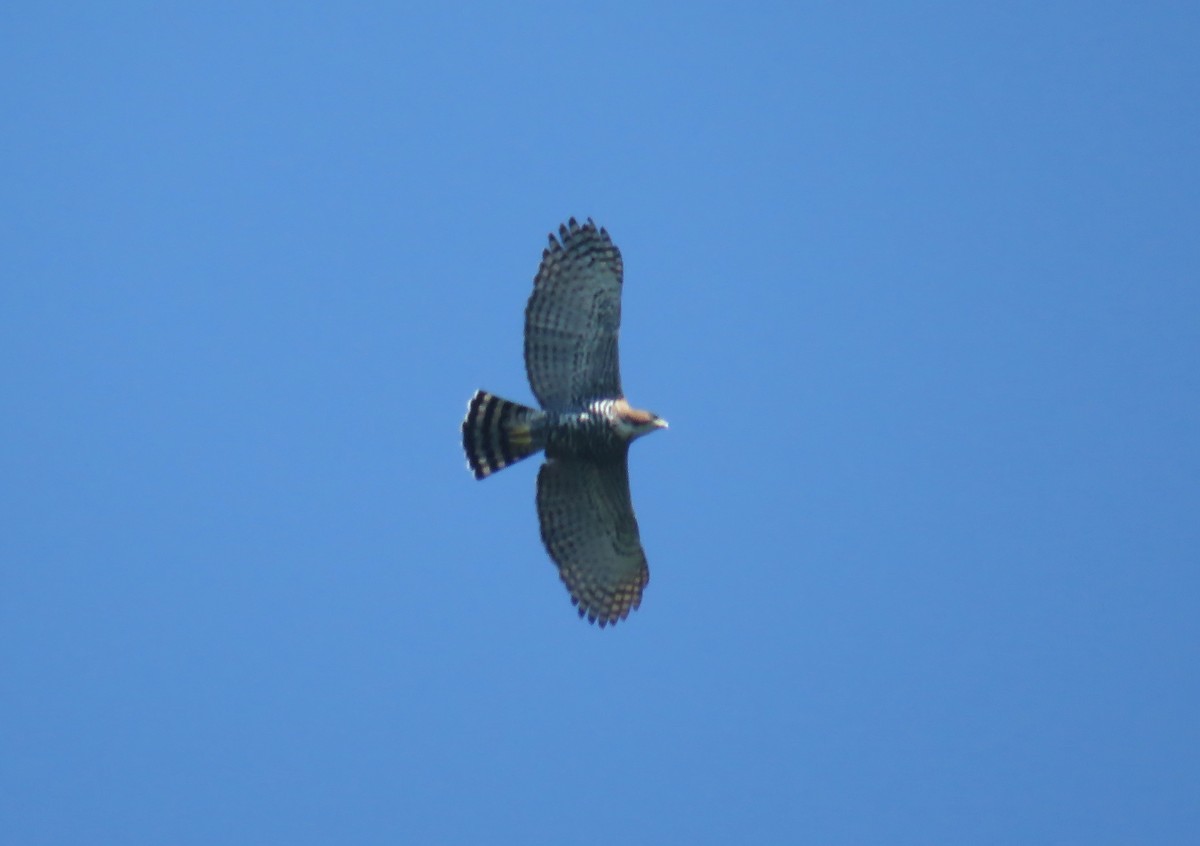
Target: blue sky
916,288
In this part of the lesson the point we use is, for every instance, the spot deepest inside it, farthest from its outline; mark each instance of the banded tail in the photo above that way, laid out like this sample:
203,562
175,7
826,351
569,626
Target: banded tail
497,433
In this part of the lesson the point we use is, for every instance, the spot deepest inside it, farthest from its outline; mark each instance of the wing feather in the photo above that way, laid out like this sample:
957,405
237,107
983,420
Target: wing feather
573,318
590,531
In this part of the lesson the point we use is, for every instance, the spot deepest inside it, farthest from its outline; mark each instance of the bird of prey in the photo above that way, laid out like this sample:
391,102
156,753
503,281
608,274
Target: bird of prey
585,425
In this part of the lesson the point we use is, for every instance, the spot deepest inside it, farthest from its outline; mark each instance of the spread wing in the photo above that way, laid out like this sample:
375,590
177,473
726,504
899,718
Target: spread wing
589,530
572,319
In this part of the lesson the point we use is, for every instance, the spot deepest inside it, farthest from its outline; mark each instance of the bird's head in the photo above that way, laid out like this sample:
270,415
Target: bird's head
634,422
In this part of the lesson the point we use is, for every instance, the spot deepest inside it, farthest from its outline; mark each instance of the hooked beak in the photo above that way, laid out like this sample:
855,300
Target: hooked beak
662,424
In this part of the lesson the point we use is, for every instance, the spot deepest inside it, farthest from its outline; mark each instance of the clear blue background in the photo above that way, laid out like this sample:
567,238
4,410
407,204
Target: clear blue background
916,285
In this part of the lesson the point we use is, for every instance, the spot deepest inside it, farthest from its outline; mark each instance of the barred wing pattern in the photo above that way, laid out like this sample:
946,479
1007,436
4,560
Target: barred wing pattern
590,531
572,319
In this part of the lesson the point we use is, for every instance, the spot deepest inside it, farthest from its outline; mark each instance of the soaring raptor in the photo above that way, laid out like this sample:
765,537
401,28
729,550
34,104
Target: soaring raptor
585,425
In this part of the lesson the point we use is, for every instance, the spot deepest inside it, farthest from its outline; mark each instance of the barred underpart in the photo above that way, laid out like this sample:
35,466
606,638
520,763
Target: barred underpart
588,434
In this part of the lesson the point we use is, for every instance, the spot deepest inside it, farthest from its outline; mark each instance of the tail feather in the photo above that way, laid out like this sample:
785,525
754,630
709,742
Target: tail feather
497,433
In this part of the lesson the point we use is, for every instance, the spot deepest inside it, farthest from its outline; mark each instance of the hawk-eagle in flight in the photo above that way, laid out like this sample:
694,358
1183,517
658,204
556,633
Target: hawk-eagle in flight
585,425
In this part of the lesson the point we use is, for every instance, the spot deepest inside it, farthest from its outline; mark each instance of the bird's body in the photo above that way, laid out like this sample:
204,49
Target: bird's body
602,430
585,425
